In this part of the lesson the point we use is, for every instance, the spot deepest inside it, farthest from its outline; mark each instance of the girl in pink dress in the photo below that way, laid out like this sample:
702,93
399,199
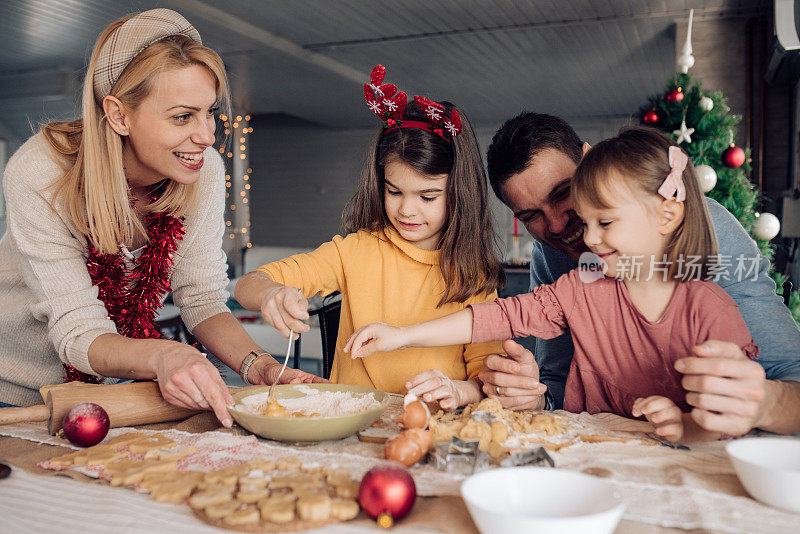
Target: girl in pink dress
640,301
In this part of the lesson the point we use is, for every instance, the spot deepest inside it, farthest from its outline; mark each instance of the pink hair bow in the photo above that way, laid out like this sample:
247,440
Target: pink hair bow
673,184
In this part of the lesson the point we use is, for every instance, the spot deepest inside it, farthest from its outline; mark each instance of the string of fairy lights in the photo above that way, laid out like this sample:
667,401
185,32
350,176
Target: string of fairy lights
237,181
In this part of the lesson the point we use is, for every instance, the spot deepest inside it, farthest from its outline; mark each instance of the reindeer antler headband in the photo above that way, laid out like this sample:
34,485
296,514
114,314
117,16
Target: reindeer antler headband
389,105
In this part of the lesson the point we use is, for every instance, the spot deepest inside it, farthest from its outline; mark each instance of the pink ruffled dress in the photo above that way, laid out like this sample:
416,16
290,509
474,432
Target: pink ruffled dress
619,354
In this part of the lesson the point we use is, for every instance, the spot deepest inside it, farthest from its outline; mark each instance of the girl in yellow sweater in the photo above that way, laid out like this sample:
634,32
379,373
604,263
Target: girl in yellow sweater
419,245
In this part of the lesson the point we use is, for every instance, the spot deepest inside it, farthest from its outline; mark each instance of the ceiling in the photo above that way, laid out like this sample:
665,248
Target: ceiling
309,58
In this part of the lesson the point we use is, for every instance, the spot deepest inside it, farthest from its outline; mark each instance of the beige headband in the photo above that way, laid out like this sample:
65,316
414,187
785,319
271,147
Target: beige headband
131,38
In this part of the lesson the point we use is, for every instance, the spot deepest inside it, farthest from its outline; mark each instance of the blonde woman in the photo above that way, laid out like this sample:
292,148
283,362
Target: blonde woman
107,212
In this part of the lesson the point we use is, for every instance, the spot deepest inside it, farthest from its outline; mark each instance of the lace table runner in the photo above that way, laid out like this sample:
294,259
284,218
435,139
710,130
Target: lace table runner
663,486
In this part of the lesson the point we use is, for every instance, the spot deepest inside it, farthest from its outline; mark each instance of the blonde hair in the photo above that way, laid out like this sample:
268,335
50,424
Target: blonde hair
640,157
94,186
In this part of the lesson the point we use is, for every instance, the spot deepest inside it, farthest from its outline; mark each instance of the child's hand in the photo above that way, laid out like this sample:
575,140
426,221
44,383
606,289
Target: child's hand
664,415
285,308
434,385
375,337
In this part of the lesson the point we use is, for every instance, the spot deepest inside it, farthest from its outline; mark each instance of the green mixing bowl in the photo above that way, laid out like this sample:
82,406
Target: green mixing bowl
307,428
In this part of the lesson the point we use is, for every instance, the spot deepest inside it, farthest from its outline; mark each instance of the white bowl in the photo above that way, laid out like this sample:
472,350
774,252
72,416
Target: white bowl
769,469
541,499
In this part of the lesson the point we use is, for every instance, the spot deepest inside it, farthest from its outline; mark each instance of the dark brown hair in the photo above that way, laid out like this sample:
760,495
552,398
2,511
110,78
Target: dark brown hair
640,156
468,258
520,139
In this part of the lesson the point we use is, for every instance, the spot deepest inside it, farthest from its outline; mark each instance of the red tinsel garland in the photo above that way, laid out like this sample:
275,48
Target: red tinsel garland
132,299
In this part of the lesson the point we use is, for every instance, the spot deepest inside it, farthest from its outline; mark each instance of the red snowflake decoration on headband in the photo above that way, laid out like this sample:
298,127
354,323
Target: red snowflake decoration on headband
383,99
453,123
436,114
433,110
389,105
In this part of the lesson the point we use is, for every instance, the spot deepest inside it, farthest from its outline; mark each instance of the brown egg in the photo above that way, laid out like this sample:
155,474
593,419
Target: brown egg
423,437
409,447
415,415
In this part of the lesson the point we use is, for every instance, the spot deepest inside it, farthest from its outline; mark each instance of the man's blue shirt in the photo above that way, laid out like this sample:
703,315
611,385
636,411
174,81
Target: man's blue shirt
770,323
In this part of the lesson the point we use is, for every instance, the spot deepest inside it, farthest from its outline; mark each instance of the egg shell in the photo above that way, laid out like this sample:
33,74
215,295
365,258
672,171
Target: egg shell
409,398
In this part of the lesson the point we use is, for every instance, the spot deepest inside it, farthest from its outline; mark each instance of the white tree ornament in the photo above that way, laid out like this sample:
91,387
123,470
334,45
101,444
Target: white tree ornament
684,134
706,104
686,59
767,226
706,177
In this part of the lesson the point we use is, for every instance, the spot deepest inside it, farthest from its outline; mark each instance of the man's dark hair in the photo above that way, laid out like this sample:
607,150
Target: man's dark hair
524,136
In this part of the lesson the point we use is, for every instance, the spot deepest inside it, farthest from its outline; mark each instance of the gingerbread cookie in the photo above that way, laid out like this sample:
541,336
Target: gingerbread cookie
148,443
243,515
314,508
171,487
211,496
344,509
278,514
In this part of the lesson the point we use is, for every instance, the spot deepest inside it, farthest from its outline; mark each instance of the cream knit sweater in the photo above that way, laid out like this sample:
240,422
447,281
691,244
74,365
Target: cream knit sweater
49,311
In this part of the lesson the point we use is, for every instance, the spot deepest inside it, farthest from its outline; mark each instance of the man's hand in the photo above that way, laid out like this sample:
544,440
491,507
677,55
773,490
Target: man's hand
726,388
513,379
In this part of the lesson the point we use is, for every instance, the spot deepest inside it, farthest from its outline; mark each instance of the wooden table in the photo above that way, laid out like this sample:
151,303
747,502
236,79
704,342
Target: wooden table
32,500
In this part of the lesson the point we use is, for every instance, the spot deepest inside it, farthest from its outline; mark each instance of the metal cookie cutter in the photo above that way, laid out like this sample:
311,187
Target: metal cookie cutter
462,446
537,456
459,456
666,443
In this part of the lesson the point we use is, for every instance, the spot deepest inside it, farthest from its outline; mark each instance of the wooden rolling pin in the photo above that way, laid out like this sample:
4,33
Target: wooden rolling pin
135,403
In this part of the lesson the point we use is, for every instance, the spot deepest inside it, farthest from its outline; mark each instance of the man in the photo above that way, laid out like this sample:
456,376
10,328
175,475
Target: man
530,165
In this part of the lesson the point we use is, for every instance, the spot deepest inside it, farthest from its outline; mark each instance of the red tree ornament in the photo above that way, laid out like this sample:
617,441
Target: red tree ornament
86,424
387,493
733,157
651,117
676,95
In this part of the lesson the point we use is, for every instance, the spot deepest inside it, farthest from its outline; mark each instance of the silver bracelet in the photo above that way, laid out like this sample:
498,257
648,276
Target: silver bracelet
248,362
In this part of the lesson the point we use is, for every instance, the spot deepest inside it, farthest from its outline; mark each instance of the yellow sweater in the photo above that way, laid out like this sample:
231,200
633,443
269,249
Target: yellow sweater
383,277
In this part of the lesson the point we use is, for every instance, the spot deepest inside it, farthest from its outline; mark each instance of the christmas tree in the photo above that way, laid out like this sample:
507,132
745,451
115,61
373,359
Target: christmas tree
701,122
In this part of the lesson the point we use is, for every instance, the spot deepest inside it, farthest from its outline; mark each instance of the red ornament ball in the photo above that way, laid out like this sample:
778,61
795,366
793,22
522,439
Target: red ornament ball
676,95
733,157
86,424
387,493
651,117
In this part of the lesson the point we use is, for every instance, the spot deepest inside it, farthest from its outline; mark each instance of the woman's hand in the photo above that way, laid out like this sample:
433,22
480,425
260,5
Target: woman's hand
285,308
187,379
375,337
514,380
434,385
265,370
663,413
